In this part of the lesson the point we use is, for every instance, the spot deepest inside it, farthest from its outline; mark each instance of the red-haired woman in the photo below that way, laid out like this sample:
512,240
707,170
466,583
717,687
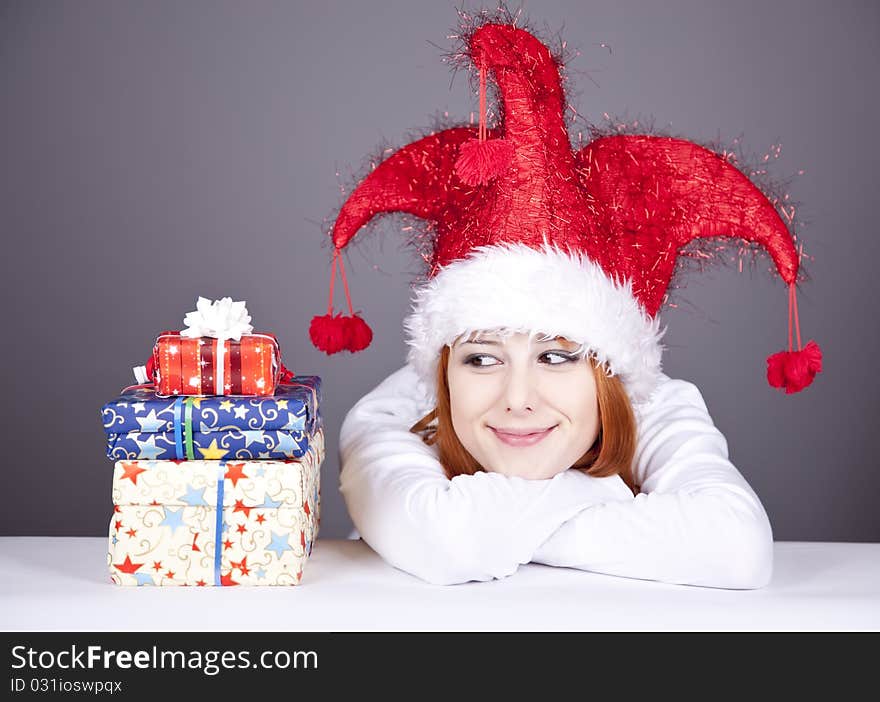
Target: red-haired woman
504,441
532,421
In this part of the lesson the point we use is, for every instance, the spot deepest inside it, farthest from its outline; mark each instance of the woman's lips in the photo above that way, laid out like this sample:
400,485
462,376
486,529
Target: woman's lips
521,438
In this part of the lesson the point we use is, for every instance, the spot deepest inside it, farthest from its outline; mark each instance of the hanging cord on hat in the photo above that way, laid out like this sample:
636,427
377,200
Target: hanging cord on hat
482,159
792,304
794,370
340,333
481,132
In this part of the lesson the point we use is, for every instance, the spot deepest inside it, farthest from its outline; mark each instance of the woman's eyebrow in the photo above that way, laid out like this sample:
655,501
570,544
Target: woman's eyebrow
561,343
485,342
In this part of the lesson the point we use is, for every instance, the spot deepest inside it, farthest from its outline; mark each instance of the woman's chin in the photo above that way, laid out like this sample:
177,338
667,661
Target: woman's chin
529,471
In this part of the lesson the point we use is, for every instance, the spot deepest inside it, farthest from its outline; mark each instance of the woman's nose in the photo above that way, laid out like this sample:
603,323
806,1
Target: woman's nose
519,394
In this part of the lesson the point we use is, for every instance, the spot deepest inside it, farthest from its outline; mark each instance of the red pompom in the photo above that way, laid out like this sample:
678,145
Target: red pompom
794,370
340,333
480,161
359,334
328,333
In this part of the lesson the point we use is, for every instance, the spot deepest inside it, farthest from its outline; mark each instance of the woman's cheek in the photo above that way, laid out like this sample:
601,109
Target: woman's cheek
572,391
474,393
561,389
470,398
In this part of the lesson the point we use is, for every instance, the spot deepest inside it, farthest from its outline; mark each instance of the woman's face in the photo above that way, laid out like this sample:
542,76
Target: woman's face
520,406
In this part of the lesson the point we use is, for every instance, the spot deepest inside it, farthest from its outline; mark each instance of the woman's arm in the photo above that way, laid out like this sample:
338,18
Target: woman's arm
474,527
697,521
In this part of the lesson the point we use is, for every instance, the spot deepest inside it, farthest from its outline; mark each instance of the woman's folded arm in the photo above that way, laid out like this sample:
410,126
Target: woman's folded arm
696,521
473,527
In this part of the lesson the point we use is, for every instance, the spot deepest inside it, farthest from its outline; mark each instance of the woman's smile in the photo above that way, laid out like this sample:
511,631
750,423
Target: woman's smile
521,437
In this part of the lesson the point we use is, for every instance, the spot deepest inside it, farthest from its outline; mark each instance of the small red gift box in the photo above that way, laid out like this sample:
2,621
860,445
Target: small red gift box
206,366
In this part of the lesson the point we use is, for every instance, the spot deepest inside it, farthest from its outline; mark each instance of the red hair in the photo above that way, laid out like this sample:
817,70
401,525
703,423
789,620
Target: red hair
611,454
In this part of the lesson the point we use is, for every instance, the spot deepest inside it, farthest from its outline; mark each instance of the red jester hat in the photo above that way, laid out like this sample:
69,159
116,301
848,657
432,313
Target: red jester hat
529,235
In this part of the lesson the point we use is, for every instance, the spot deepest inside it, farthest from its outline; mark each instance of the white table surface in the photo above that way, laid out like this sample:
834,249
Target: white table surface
62,583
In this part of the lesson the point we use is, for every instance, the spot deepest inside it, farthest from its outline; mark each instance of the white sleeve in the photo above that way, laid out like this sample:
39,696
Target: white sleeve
696,522
473,527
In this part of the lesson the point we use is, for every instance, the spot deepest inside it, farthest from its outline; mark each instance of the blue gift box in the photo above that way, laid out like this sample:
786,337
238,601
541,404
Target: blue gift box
142,425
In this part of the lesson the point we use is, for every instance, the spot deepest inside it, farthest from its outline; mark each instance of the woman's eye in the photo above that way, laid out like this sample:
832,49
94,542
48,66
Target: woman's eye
556,358
481,360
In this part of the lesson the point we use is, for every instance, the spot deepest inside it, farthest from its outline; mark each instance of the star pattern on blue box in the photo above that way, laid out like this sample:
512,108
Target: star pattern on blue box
294,422
235,445
286,444
251,437
151,423
148,449
301,397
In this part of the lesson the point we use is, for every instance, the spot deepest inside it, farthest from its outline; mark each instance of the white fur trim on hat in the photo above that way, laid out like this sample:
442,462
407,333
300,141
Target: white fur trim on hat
514,287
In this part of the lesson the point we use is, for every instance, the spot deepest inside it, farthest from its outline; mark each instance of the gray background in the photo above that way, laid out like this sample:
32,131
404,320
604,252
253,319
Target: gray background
154,152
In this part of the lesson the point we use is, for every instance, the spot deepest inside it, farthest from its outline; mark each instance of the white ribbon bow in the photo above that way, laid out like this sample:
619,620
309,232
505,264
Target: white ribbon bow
221,319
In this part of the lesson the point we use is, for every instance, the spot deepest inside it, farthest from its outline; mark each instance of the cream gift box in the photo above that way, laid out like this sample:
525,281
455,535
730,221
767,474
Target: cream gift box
166,528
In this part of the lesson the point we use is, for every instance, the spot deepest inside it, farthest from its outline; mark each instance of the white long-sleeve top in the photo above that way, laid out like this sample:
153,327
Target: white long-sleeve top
696,520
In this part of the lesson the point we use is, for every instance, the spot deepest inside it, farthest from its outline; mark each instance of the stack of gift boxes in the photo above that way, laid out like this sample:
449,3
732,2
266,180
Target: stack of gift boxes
217,459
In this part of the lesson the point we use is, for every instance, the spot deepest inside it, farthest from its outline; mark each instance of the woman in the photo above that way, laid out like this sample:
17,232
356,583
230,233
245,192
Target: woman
451,516
530,407
534,337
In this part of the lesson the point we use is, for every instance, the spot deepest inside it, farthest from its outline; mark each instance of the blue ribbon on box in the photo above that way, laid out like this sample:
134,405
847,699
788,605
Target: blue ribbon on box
178,434
218,537
183,435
